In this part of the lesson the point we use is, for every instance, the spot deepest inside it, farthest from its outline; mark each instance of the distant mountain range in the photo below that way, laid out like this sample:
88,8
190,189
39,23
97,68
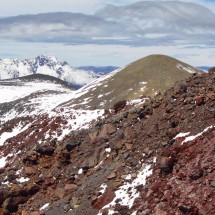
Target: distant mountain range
204,68
102,70
50,65
47,65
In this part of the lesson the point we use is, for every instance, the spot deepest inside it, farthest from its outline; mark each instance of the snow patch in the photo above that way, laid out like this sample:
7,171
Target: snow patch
44,206
80,171
22,179
193,137
127,193
181,135
3,162
14,132
188,69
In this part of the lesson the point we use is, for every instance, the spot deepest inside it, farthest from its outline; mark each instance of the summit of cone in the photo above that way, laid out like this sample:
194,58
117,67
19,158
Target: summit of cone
145,77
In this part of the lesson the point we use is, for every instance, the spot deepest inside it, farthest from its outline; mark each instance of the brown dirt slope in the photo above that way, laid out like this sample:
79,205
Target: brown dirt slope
159,72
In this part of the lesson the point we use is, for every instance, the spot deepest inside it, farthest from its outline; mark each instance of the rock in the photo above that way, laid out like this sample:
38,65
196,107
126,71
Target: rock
93,198
31,158
119,106
71,146
199,100
128,146
196,173
164,143
70,187
146,150
11,175
29,170
91,162
111,176
117,144
105,199
166,164
212,183
180,87
126,155
106,130
59,193
67,207
32,188
11,204
119,136
45,149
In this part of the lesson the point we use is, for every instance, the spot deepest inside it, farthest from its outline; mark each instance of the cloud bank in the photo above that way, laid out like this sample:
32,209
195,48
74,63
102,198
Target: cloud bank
138,24
114,35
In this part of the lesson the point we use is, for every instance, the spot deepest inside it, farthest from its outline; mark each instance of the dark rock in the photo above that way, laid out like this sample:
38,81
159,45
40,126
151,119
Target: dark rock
166,164
45,150
31,158
71,146
119,106
196,173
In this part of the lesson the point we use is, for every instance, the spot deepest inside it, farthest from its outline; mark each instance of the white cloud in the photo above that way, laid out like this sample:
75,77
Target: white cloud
103,55
17,7
118,36
139,24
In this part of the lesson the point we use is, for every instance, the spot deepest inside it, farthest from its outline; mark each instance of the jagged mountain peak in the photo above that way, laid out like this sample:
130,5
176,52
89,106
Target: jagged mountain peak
47,65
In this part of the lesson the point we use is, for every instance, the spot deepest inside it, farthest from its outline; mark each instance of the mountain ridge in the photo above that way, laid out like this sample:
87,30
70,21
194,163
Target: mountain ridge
47,65
141,78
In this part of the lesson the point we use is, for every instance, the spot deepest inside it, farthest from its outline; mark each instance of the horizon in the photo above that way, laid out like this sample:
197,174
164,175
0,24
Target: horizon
95,66
114,34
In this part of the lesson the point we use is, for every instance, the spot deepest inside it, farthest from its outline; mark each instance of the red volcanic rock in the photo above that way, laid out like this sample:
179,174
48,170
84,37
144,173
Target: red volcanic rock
105,199
199,100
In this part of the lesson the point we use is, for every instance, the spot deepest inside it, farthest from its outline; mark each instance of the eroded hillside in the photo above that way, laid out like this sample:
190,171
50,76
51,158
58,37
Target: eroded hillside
155,158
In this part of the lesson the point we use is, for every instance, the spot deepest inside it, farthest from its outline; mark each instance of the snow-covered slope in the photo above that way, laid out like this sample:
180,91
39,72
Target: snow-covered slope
47,65
34,100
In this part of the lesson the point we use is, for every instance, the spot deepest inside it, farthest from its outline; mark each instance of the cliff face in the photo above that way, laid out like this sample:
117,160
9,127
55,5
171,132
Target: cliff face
151,158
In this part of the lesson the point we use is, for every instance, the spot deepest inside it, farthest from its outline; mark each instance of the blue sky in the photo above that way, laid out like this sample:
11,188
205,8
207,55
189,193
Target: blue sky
17,7
105,35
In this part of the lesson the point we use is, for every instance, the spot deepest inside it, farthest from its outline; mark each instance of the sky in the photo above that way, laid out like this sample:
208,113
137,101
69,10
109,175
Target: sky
108,32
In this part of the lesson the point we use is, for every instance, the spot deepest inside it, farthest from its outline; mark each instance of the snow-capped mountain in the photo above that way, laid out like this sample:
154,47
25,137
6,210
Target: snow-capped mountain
47,65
